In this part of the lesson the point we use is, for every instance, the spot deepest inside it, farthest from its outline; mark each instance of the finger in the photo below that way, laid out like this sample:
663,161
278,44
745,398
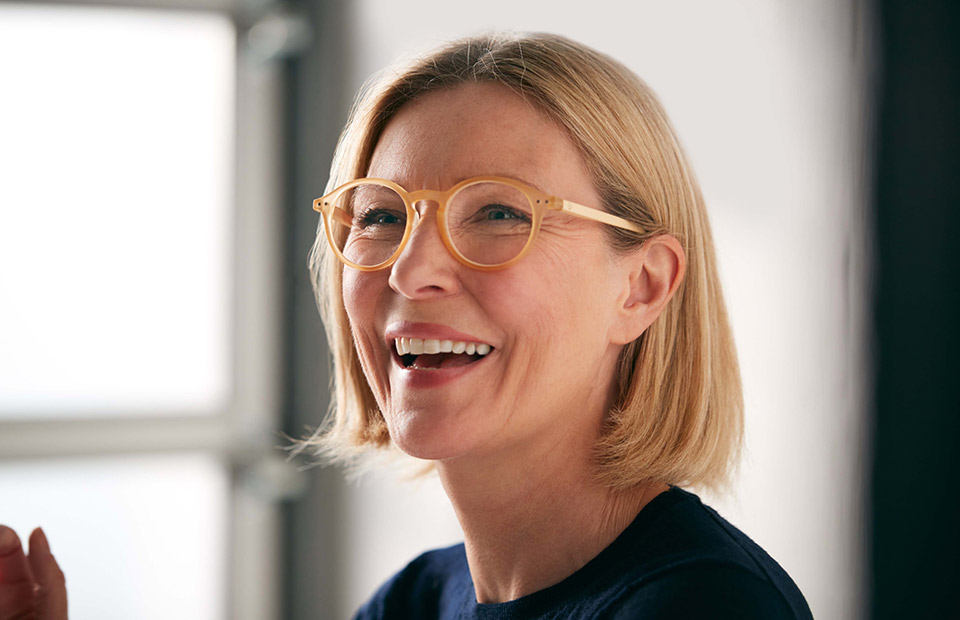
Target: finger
16,601
13,564
52,594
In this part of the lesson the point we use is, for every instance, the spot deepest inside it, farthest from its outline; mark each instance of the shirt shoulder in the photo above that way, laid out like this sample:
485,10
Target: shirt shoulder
431,586
683,554
702,590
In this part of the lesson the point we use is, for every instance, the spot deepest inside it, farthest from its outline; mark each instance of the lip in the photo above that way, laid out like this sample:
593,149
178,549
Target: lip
434,377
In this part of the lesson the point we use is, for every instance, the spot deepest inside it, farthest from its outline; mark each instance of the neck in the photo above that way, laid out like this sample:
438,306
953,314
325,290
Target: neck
532,518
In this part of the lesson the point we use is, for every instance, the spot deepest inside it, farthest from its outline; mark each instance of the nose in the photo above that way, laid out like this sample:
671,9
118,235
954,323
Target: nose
425,268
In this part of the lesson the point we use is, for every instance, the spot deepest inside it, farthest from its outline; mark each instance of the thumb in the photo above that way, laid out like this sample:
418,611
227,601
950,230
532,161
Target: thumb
52,588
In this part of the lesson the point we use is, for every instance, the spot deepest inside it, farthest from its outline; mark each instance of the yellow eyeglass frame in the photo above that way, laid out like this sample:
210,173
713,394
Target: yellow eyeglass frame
540,203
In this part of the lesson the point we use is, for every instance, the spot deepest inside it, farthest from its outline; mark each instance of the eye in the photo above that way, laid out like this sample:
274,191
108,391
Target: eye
378,217
498,212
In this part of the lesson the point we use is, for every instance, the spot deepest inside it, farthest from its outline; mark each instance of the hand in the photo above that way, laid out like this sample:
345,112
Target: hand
31,587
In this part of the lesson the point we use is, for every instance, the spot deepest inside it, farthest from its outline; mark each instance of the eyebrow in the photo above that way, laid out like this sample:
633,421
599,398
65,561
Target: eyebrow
505,175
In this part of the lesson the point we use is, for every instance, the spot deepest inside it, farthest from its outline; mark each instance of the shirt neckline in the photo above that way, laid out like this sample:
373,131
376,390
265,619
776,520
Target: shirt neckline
574,586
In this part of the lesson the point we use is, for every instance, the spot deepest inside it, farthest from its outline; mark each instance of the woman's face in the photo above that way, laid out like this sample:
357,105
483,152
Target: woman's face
548,378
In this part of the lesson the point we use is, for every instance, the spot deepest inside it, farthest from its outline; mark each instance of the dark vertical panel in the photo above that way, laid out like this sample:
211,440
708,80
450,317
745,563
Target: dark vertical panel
316,109
916,475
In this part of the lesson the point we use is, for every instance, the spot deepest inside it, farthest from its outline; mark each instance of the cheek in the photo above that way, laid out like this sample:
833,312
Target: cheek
360,294
535,308
351,290
561,289
565,310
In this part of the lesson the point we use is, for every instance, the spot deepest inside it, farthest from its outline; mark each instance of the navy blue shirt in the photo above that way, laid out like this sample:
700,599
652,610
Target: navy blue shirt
678,559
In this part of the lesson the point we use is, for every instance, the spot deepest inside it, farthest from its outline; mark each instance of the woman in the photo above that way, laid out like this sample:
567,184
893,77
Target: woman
519,286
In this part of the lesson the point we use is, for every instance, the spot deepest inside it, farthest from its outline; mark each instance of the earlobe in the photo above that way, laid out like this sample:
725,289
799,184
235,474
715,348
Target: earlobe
652,275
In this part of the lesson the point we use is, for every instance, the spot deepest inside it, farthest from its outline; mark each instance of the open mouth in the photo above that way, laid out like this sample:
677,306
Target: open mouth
429,354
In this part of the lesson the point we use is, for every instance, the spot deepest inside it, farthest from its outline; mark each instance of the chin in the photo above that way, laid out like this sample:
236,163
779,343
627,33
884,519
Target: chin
422,435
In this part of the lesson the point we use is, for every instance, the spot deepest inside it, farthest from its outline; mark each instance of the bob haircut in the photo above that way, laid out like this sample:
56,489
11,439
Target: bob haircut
678,416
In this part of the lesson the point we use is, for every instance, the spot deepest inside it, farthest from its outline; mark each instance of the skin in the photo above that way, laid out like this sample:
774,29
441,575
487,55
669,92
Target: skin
513,436
31,586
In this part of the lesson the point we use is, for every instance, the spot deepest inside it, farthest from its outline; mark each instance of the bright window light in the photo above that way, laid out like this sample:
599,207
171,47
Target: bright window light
137,537
115,211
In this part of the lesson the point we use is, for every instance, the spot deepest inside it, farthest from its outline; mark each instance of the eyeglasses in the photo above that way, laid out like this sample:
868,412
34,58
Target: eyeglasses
487,223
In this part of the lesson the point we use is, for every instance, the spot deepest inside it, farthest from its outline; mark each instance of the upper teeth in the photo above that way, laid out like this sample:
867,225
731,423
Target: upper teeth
419,346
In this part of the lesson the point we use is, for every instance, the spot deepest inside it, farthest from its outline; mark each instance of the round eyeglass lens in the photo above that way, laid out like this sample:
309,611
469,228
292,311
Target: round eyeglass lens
489,223
367,223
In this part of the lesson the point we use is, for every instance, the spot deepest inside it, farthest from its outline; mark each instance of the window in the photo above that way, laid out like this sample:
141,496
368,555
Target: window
137,256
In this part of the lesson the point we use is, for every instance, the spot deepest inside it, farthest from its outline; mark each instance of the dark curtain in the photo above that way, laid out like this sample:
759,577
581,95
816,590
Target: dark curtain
916,200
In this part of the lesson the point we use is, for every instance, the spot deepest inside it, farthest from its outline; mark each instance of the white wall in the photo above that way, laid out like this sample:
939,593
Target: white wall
765,96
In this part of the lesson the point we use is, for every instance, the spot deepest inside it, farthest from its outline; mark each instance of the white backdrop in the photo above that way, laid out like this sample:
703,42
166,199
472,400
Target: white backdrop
766,97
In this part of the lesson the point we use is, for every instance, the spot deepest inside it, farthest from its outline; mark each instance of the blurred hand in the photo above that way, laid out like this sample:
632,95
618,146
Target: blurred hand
31,587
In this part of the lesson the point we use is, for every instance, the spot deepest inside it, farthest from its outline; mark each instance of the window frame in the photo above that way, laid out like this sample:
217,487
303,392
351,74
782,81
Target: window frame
242,435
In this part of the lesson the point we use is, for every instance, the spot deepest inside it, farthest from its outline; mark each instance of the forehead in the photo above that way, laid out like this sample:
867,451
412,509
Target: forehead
471,130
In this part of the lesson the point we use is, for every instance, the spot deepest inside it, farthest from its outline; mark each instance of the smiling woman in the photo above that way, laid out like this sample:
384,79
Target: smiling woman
518,282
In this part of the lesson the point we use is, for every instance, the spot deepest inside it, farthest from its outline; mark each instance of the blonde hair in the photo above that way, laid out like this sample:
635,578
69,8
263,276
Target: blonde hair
679,410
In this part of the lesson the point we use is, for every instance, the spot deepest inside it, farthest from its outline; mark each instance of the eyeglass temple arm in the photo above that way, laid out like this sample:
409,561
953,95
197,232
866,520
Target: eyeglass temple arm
335,212
342,216
599,216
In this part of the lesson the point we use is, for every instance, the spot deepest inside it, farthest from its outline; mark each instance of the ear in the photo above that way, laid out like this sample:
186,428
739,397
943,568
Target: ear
652,274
